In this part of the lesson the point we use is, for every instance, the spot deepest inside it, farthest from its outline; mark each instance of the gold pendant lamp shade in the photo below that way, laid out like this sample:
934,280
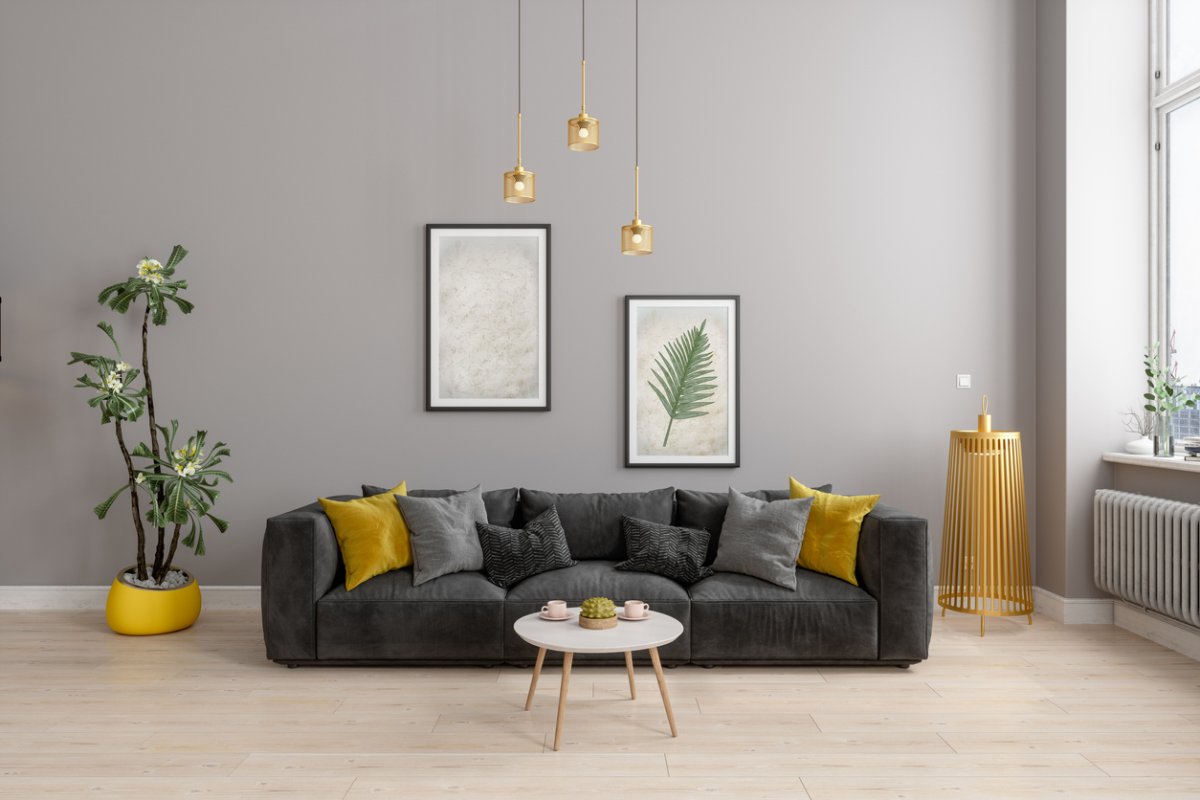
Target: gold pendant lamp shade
637,238
985,538
583,132
520,185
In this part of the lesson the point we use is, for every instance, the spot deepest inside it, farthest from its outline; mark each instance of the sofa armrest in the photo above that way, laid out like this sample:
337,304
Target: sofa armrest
893,566
300,561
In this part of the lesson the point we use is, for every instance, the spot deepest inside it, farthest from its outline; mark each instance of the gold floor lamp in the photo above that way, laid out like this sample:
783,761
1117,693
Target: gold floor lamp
985,537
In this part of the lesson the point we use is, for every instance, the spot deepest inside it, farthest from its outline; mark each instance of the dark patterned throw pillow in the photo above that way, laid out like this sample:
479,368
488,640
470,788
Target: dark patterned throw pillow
511,555
675,553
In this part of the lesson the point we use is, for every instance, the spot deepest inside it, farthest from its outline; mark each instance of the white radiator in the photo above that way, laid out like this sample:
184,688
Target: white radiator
1146,552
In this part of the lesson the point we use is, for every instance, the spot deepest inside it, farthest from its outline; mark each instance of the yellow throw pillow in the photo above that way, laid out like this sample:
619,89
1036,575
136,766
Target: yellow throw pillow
831,534
371,534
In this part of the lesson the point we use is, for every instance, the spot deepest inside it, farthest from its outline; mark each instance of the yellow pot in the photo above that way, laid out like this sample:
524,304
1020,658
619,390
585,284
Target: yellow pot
135,611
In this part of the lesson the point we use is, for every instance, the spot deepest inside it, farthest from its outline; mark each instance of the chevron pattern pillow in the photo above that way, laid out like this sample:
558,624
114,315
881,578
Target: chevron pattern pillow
511,555
667,550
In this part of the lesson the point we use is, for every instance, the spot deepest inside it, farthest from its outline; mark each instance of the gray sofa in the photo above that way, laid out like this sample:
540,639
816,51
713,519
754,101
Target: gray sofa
310,618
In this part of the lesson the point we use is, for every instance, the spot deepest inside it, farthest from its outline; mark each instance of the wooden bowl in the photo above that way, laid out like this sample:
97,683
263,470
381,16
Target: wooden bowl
598,624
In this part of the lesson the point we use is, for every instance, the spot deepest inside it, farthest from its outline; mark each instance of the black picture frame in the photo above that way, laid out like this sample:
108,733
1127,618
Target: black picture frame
734,458
432,307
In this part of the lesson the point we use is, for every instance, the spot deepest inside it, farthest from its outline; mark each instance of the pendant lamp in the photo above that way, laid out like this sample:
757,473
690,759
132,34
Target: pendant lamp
520,185
637,238
583,132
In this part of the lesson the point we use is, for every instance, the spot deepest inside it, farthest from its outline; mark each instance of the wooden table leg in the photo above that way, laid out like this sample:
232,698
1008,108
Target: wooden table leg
629,668
537,672
662,689
562,697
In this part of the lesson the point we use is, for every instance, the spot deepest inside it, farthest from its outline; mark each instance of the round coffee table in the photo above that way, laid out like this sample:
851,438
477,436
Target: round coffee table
568,638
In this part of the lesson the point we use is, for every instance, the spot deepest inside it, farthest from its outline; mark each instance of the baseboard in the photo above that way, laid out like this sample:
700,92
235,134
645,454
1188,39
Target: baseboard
1073,610
88,598
1178,636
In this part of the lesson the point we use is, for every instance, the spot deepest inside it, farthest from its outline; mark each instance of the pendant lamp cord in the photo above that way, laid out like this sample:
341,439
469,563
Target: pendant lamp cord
637,82
518,56
583,31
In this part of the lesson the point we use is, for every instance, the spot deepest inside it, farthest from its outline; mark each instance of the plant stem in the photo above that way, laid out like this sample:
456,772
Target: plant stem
158,550
166,567
668,436
133,499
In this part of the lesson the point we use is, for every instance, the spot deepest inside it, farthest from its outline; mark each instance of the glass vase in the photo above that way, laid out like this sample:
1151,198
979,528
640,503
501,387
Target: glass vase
1164,441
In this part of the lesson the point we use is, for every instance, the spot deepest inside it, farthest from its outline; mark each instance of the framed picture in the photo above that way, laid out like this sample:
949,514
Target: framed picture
487,317
681,381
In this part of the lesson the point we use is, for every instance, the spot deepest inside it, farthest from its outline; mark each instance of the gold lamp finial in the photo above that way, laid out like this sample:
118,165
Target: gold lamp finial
985,419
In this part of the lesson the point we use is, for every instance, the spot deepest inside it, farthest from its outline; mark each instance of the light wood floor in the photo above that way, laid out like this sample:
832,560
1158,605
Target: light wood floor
1048,710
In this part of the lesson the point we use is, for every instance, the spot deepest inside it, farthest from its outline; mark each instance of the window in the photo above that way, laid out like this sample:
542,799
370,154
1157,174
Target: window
1175,203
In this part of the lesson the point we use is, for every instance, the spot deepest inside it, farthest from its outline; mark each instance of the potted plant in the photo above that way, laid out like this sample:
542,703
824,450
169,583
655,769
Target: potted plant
1165,394
177,483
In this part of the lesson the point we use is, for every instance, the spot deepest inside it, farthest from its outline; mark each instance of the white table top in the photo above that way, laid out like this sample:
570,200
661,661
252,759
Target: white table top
655,631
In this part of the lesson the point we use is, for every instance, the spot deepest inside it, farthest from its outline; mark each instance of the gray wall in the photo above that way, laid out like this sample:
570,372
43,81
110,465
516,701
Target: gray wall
862,173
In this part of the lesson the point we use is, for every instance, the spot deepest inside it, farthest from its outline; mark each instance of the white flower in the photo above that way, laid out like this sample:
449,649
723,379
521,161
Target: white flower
179,454
185,469
140,477
147,267
114,383
153,278
123,367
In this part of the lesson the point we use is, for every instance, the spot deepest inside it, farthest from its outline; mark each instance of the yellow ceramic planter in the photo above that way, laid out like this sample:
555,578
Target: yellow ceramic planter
135,611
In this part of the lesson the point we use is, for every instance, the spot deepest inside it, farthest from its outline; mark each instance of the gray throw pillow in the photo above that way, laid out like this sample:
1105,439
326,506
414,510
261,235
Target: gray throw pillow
511,555
667,550
762,539
442,532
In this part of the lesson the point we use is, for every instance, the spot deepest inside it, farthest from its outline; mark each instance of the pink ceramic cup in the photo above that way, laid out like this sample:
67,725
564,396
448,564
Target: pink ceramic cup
636,609
555,608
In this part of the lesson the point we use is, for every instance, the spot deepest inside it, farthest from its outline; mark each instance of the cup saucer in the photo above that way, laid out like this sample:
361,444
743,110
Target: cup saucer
644,617
548,618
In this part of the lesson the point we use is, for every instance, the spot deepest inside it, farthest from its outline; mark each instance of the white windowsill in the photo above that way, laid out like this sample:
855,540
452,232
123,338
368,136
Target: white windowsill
1177,463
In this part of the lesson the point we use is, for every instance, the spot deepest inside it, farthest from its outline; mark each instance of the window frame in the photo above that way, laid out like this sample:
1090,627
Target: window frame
1165,97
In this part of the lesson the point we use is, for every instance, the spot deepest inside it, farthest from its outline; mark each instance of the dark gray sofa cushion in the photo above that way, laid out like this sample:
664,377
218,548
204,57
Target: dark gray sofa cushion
593,520
454,618
510,555
706,510
592,579
668,550
501,504
737,618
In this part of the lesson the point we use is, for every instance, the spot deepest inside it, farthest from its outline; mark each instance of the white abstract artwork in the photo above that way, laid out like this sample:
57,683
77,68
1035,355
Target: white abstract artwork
488,317
681,381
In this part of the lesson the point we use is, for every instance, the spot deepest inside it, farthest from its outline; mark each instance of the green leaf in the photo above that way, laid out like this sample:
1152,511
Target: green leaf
221,524
178,253
102,509
682,376
1150,408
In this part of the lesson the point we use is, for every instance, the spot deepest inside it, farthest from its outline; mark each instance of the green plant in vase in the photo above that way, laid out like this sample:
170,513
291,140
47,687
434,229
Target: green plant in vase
1165,395
178,484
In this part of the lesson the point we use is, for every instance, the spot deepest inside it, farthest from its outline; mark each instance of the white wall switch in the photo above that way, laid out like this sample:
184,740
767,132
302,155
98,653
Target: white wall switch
964,381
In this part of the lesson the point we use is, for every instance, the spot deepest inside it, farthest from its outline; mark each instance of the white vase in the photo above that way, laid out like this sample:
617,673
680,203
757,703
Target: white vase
1140,447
